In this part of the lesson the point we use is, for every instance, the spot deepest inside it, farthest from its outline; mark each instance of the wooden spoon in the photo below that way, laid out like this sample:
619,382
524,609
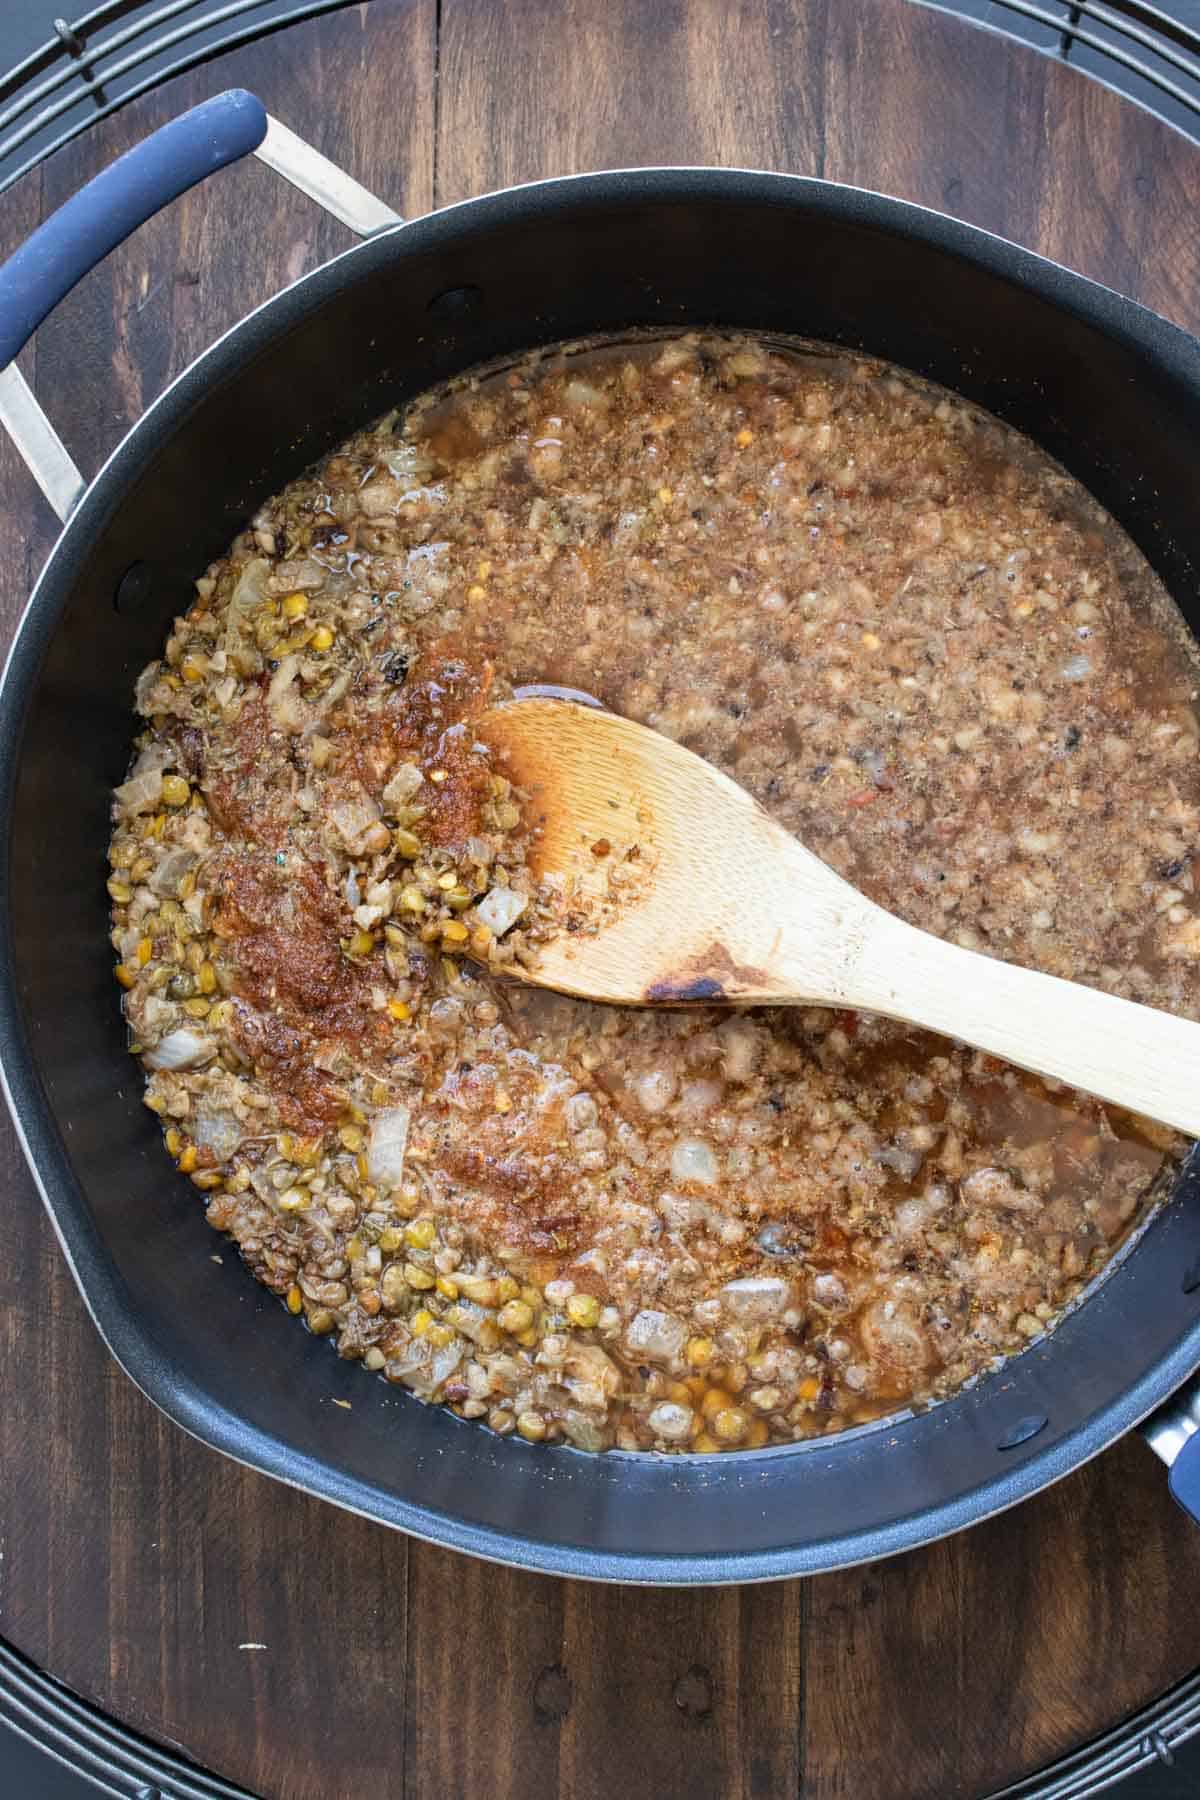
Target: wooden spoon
722,904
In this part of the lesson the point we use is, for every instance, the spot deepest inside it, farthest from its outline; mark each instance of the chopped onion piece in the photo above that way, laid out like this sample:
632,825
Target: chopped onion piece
757,1297
671,1421
907,1163
410,462
775,1240
251,589
326,702
385,1153
693,1160
655,1336
168,876
700,1097
217,1131
655,1089
157,1016
829,1289
156,755
141,793
146,683
424,1369
678,1212
500,909
446,1359
284,704
181,1049
584,1431
403,785
582,393
740,1045
353,817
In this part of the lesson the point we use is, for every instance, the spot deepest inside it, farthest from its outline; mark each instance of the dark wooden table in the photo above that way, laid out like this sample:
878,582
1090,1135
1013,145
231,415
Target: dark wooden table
137,1566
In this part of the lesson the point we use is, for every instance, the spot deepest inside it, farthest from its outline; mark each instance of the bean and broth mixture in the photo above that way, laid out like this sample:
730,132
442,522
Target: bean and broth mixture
926,651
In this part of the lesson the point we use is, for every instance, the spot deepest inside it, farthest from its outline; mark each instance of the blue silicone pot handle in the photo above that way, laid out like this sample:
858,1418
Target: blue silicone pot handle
122,197
1185,1477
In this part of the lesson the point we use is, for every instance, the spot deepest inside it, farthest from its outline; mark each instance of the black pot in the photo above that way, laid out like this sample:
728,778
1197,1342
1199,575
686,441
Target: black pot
1109,389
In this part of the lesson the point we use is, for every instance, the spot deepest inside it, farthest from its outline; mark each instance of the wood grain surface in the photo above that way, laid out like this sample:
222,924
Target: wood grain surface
137,1566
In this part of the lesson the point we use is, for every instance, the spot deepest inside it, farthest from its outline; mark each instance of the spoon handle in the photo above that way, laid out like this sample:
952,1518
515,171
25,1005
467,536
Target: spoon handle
1135,1056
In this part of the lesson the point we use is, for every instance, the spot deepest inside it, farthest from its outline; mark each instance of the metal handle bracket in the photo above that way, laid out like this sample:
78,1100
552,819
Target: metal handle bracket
1173,1433
103,213
323,181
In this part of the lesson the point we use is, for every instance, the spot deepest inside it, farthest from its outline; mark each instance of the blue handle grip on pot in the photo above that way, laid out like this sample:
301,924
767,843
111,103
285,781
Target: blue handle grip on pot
112,205
1185,1477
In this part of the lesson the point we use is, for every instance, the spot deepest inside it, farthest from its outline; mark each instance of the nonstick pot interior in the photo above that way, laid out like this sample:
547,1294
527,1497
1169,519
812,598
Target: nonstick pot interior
1111,391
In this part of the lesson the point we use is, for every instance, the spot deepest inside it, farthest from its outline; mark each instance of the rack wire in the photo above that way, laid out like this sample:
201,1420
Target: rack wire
1149,53
97,62
93,64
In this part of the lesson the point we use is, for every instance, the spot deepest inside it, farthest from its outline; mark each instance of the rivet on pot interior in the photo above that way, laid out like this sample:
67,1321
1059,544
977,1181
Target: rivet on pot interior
1022,1431
135,588
453,303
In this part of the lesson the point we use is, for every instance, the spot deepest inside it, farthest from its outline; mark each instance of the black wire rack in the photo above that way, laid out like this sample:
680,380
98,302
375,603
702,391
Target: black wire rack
1149,53
92,64
87,68
109,1759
